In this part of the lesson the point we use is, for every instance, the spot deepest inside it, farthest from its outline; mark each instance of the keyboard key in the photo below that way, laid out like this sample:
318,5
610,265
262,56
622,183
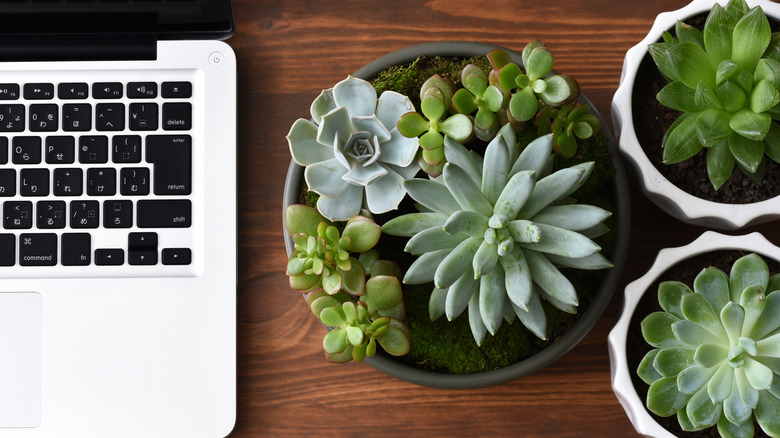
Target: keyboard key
142,90
50,214
44,117
176,90
93,149
126,149
3,150
26,150
110,117
107,90
110,257
17,215
168,213
134,181
34,182
7,249
142,248
172,159
117,214
143,116
68,182
7,182
38,91
38,249
76,249
84,214
142,257
176,256
177,116
60,150
12,118
76,117
101,182
77,90
9,91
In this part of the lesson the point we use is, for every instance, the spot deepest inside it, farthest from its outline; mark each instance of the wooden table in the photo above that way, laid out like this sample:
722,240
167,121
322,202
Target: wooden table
290,50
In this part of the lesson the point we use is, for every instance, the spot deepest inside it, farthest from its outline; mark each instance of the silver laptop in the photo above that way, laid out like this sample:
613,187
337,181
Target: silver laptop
118,225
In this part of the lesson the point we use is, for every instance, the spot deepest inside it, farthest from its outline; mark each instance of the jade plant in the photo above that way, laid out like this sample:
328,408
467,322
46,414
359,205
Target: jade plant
725,81
480,97
716,356
352,149
567,124
492,232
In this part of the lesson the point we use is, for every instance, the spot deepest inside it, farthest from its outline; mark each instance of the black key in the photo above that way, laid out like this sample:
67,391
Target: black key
172,159
110,257
84,214
73,90
134,181
142,90
117,214
9,91
76,249
38,249
7,249
26,150
17,215
93,149
107,90
142,248
110,117
126,149
12,118
176,256
34,182
3,150
142,257
176,89
38,91
44,117
7,182
60,150
168,213
68,182
101,182
143,116
50,214
76,117
177,116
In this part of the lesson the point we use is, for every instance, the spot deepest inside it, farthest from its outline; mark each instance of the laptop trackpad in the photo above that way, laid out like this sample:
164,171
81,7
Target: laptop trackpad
20,359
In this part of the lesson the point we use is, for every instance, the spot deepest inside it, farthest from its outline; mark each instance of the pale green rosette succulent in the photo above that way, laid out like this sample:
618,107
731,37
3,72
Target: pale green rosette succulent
717,351
492,233
352,150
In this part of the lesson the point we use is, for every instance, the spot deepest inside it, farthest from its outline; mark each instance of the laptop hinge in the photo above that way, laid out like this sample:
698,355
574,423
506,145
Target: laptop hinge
78,48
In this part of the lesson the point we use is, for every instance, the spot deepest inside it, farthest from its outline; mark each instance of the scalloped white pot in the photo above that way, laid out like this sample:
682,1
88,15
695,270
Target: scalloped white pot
655,186
621,374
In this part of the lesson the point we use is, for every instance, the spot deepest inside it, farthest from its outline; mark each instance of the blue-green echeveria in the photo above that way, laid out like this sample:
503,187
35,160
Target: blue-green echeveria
352,149
492,233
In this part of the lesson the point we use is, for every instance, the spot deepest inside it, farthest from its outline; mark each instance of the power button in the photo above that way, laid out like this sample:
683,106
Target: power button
216,59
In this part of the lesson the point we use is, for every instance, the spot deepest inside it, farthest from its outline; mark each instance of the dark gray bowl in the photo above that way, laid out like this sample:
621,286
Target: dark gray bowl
588,317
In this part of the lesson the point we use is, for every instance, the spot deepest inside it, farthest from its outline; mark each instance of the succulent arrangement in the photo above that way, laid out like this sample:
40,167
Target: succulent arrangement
716,350
497,222
725,80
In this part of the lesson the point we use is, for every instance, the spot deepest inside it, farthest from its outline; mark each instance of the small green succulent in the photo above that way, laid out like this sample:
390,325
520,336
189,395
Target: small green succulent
435,101
322,255
717,350
481,97
567,123
725,81
492,232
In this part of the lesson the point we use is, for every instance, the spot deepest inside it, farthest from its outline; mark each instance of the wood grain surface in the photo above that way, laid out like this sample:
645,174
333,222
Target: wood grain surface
290,50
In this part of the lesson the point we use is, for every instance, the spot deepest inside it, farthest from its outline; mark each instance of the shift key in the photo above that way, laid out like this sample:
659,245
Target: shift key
172,159
164,213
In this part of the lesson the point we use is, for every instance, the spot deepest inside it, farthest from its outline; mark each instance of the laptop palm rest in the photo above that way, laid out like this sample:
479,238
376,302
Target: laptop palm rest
20,359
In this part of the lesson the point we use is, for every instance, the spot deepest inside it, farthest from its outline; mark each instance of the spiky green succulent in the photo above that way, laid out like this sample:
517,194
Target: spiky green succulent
717,350
726,82
492,232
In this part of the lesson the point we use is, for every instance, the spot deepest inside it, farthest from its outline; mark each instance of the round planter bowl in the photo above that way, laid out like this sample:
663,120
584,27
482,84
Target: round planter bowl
655,186
385,362
621,375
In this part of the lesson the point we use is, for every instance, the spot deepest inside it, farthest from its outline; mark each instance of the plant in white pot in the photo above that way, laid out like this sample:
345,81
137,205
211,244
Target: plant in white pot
706,147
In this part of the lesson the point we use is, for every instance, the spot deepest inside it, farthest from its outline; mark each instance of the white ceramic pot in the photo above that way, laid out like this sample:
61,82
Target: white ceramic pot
655,186
621,374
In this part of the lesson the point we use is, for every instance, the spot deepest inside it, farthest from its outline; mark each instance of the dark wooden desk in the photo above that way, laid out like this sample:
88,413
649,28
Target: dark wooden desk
290,50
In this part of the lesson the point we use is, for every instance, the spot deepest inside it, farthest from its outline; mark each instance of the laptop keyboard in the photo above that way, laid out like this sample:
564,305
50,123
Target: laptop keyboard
96,173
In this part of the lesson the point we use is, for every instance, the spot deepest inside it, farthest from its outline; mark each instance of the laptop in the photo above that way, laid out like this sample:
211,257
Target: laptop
117,218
